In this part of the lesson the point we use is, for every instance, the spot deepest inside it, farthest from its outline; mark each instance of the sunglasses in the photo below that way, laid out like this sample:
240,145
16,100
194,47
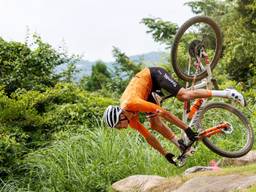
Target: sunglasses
122,117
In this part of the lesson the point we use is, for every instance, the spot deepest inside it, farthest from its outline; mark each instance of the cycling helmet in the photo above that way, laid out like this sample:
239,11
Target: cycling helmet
112,115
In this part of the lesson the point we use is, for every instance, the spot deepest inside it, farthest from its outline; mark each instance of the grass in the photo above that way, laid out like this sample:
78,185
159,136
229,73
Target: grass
92,161
95,158
250,189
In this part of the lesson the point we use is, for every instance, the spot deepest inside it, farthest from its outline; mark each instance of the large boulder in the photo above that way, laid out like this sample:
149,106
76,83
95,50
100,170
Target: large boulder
244,160
147,183
217,183
142,183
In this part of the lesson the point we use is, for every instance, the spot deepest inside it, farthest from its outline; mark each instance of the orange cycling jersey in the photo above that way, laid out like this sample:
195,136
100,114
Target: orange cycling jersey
134,99
135,96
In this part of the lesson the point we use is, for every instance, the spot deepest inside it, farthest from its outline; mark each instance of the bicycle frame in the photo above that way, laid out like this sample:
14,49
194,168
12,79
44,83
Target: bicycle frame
200,102
197,106
205,83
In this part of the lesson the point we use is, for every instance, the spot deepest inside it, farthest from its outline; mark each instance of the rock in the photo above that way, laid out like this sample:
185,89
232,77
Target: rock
217,183
213,166
141,183
199,168
244,160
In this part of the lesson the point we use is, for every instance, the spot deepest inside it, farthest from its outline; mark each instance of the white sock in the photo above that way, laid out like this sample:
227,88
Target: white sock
223,93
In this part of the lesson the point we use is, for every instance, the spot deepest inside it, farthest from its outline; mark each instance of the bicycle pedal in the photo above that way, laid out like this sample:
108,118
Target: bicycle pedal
181,161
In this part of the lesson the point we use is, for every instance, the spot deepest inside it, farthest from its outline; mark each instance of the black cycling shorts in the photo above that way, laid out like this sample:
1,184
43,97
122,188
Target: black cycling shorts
162,82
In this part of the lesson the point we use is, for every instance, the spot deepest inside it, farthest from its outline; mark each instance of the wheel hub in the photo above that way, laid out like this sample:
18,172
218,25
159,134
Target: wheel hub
195,48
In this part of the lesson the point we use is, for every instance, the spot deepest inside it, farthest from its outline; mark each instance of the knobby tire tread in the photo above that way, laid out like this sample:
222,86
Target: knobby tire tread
179,34
245,122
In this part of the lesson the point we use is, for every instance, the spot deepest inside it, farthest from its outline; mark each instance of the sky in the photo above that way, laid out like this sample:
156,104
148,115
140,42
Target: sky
90,27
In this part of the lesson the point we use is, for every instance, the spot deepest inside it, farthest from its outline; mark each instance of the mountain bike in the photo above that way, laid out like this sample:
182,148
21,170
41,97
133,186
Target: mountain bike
225,130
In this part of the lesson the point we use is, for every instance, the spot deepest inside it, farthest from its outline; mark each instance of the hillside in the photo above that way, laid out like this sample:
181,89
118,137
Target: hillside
149,59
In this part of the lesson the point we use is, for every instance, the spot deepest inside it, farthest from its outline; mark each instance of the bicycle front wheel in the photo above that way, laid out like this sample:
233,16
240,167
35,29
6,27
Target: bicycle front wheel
234,143
200,33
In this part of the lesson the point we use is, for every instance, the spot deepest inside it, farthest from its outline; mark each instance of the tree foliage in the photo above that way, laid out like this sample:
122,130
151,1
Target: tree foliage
31,68
98,79
162,31
209,7
29,120
237,20
124,66
111,79
247,8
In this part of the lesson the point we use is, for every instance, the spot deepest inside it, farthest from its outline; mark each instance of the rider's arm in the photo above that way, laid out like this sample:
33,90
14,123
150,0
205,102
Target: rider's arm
140,105
172,118
151,139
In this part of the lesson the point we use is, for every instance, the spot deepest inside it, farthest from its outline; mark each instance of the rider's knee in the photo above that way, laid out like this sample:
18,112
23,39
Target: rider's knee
184,95
156,123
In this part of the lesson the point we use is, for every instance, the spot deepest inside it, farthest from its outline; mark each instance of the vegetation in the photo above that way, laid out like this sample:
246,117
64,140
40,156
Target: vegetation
51,134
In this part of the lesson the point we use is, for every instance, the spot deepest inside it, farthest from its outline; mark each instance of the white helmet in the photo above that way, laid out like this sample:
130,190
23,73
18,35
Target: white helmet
112,115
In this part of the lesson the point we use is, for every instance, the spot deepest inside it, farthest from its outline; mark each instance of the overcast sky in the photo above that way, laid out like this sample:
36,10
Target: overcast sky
89,27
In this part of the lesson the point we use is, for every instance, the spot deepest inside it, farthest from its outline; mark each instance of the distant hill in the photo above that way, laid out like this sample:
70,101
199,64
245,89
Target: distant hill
149,59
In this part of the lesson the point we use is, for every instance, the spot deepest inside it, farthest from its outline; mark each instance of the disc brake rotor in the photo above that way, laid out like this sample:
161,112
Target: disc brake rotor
195,48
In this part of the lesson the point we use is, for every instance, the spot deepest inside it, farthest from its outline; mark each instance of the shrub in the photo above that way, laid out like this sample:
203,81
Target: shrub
29,120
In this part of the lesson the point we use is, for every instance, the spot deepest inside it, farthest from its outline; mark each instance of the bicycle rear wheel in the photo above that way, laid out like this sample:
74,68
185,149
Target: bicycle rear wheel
197,34
235,143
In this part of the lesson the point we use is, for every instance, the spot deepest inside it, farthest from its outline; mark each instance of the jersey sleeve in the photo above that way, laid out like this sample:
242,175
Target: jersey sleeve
135,124
140,105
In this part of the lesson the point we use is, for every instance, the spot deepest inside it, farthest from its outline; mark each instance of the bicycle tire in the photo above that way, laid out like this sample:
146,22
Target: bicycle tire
177,38
238,121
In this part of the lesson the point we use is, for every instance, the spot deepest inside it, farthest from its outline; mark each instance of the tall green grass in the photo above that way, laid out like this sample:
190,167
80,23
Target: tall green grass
94,160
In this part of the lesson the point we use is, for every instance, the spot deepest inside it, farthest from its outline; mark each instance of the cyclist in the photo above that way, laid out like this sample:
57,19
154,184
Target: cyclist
140,96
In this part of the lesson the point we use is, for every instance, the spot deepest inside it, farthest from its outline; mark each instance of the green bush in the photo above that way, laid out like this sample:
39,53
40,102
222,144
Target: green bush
30,120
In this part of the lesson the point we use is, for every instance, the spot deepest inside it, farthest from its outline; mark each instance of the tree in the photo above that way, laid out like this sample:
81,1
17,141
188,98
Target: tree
29,67
68,74
114,77
209,7
247,8
124,70
237,21
162,31
98,79
123,65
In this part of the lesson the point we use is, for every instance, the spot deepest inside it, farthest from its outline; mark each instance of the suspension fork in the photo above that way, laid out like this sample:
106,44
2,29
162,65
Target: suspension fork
208,68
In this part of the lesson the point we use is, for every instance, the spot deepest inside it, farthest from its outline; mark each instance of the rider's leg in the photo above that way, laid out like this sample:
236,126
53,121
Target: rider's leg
230,93
141,105
163,80
160,127
185,94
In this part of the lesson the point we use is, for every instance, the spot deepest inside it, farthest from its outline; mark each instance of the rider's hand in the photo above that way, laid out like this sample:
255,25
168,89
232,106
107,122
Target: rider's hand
169,157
